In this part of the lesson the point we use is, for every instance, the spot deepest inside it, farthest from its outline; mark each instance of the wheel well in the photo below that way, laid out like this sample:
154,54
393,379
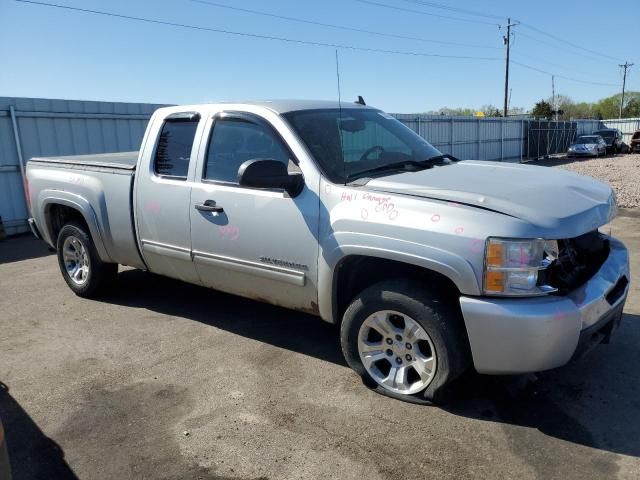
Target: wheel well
59,215
358,272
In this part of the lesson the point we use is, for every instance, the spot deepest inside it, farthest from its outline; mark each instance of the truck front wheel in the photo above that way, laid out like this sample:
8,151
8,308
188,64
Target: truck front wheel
80,264
404,341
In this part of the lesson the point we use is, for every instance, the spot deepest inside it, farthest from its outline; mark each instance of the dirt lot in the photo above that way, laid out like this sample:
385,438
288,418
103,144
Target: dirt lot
622,172
166,380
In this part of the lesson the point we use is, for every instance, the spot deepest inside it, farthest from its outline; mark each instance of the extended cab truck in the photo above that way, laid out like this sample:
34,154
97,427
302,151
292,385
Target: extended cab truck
429,265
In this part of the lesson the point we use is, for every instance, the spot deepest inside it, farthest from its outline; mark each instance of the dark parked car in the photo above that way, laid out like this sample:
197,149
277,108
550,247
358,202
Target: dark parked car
588,146
635,142
613,137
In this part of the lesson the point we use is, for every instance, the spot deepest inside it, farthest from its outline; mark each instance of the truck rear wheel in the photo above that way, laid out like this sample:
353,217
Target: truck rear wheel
405,342
81,267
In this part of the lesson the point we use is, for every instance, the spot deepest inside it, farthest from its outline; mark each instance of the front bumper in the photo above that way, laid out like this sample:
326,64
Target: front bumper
518,335
583,153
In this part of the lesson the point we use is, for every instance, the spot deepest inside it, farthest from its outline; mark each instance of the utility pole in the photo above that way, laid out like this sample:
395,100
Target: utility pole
507,42
624,81
553,97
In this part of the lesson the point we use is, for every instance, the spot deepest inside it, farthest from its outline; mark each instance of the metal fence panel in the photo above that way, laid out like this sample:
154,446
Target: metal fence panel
60,127
626,125
470,137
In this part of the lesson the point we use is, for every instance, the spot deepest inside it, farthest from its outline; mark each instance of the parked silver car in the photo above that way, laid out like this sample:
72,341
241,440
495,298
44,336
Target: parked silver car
588,146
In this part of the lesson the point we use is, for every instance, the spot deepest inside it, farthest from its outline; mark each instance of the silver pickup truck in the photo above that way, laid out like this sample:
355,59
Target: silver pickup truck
430,265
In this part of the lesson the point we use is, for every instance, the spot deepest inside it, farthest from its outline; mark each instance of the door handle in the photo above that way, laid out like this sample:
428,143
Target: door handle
209,206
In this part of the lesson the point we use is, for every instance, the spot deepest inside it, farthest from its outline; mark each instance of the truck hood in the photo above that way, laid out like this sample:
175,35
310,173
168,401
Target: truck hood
543,196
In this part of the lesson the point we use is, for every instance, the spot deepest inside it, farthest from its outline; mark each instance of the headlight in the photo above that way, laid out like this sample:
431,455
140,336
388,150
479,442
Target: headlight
511,266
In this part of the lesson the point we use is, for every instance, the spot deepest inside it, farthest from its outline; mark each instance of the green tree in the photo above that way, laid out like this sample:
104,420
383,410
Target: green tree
632,108
542,109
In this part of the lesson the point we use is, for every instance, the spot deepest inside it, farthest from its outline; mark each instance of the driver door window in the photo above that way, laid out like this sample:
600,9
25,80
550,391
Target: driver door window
233,142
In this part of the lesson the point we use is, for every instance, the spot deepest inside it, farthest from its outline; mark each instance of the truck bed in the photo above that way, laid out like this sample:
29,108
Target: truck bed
119,160
100,187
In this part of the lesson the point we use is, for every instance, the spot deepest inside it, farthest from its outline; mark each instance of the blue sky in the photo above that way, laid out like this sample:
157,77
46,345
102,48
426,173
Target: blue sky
54,53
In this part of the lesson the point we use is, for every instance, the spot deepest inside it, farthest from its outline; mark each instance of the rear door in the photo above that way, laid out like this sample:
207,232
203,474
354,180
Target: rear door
257,243
162,196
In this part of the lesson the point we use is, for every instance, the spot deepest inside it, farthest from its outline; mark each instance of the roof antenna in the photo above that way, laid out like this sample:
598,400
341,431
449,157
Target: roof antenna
360,100
344,167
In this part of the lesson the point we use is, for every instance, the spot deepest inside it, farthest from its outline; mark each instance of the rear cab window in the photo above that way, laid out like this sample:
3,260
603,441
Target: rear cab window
175,143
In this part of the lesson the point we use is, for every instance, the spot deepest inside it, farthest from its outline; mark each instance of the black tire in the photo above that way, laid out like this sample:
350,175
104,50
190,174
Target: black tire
437,314
100,275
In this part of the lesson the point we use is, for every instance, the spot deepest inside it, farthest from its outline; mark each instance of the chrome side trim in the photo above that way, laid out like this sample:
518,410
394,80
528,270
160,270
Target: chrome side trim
167,250
286,275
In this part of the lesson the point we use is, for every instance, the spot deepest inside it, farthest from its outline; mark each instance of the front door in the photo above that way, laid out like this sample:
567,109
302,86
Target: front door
253,242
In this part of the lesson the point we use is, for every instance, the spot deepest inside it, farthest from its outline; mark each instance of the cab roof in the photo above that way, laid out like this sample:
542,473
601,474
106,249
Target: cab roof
284,106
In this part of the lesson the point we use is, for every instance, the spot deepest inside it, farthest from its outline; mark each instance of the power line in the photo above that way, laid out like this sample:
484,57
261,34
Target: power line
454,9
571,79
294,40
566,49
256,35
420,12
476,13
579,47
561,47
339,27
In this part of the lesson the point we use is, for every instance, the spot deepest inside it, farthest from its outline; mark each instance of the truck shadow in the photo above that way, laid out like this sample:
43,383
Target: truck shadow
32,454
594,402
22,247
295,331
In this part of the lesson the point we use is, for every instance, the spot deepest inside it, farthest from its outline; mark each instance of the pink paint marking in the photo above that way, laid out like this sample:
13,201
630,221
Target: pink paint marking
477,245
152,207
348,196
435,217
364,213
459,230
231,232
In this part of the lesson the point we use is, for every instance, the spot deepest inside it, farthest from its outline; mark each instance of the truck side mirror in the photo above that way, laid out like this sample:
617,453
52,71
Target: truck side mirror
268,173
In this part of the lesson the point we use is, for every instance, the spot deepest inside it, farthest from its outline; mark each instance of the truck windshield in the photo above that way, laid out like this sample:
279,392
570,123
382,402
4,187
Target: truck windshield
352,142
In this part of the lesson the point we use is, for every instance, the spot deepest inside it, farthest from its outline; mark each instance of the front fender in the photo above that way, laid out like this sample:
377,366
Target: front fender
342,245
47,198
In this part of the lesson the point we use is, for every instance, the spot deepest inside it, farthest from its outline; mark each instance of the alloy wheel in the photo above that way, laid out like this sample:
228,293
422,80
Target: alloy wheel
397,352
76,260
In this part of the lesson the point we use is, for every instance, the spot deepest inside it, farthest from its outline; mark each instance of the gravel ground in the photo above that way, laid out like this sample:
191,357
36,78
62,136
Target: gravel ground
622,172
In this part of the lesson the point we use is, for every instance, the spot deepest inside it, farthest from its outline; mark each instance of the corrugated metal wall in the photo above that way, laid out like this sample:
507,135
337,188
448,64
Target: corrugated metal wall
626,125
60,127
469,137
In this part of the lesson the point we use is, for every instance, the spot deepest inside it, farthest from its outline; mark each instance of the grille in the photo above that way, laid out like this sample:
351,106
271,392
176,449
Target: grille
578,260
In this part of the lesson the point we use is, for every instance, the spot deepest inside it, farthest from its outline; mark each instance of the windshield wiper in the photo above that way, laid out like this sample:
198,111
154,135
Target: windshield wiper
390,167
444,156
